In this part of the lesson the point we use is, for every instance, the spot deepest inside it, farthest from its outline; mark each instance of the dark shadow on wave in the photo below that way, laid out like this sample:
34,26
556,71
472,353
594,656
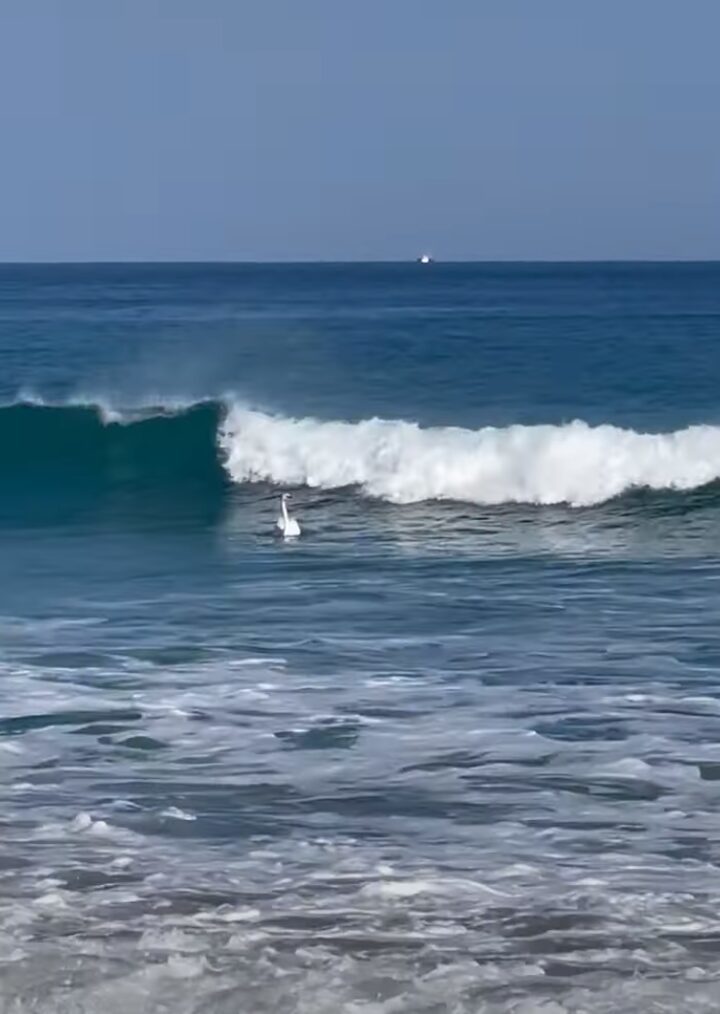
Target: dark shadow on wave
667,502
61,464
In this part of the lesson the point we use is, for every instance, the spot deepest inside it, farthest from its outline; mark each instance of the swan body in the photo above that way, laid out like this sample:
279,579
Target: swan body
287,525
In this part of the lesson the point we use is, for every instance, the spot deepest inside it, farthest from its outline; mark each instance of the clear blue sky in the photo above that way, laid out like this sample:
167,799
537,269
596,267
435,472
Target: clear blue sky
359,129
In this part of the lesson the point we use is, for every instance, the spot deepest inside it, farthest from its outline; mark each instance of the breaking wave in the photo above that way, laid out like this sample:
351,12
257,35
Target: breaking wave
402,462
209,443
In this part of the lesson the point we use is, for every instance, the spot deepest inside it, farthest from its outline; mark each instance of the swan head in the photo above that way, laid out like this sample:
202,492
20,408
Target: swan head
286,496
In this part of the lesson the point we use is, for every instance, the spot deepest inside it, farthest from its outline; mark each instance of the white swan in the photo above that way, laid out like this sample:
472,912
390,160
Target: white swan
287,526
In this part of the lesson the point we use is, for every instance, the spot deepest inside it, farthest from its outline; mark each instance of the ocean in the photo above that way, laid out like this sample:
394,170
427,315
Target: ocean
456,750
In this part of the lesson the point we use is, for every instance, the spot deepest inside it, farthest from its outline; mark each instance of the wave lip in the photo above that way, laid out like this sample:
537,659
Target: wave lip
401,462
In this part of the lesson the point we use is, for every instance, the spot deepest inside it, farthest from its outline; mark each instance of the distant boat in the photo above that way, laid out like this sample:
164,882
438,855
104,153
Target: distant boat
425,259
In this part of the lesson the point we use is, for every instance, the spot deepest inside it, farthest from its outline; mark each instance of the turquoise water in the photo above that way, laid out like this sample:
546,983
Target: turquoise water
455,749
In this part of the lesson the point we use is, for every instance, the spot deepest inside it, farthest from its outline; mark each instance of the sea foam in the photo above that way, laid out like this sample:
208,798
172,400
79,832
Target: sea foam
402,462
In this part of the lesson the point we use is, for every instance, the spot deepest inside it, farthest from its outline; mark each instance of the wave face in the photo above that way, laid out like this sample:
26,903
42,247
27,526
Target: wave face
575,464
202,446
79,446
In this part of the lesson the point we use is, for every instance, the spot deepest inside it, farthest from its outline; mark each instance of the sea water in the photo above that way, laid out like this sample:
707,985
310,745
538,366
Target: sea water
456,750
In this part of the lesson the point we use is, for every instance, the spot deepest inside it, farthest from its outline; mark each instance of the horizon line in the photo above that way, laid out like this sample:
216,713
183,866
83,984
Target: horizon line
129,262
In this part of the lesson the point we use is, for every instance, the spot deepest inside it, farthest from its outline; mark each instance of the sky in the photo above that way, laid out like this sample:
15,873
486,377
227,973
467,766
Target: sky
359,129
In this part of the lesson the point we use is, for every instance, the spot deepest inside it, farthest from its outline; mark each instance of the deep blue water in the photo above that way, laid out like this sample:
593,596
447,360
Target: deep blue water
457,748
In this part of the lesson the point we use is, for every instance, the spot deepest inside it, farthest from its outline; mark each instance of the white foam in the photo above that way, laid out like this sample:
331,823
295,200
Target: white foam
184,968
399,889
53,899
82,822
175,813
246,914
401,462
173,939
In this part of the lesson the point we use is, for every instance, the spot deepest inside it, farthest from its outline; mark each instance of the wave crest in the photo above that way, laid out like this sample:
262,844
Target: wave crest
90,447
399,461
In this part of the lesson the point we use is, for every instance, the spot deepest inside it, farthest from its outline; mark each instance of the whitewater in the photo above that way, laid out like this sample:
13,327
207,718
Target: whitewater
398,461
402,462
